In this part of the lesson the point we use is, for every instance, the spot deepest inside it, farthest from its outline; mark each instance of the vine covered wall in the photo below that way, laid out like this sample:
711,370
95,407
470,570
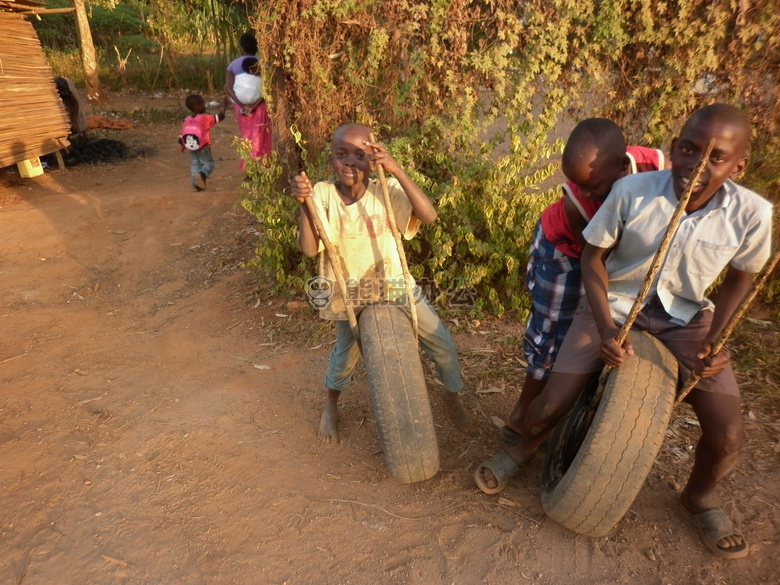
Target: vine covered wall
468,96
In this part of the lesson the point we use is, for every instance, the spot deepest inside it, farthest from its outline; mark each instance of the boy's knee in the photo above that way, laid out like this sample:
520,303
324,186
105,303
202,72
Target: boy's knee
727,438
553,410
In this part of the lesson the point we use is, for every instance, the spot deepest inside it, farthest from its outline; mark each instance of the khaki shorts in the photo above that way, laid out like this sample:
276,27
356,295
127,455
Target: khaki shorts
579,353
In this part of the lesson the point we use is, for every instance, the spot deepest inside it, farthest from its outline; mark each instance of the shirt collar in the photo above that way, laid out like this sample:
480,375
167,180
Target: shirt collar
724,195
720,200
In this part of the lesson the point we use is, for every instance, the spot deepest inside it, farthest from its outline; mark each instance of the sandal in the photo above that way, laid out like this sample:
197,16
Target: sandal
503,469
713,525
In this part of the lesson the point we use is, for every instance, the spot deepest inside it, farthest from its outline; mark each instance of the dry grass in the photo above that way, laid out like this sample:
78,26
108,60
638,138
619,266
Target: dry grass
755,355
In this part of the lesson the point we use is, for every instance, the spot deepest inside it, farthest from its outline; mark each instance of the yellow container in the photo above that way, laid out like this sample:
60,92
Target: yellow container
30,168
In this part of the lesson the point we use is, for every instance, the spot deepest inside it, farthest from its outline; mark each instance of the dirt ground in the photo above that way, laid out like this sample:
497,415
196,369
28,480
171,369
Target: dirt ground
158,416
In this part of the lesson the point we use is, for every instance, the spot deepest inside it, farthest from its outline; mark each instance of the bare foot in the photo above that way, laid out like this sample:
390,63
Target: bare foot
458,412
328,432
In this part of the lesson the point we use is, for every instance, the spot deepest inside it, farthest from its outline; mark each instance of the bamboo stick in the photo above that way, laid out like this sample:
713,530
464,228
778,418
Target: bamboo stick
655,265
728,329
333,257
398,242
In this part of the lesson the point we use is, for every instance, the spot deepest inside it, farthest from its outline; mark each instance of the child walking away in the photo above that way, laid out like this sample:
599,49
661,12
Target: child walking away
725,227
195,139
595,156
355,218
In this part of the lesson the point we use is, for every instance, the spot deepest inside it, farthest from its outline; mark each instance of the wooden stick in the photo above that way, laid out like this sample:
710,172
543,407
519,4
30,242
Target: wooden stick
728,329
398,242
333,258
660,254
16,357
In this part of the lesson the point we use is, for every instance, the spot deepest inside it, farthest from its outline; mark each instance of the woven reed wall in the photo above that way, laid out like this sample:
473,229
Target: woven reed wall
33,121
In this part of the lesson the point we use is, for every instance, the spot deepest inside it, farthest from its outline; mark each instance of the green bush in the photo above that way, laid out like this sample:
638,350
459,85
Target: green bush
58,31
135,43
474,254
466,93
282,267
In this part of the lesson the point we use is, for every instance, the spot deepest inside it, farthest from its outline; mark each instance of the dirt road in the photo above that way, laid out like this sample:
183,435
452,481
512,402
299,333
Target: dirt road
158,418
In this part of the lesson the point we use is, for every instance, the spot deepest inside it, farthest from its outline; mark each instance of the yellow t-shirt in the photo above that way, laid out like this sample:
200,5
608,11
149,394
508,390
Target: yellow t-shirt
366,247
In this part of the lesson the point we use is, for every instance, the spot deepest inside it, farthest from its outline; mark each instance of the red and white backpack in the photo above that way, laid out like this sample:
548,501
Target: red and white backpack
192,134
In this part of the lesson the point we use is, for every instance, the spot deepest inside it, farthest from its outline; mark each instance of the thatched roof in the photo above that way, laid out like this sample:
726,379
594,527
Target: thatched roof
29,7
20,5
34,121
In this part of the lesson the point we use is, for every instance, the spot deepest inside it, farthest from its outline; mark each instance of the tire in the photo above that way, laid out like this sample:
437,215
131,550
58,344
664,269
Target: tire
399,395
595,469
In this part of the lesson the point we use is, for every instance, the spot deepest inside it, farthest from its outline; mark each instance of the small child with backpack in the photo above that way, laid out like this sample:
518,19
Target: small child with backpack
195,139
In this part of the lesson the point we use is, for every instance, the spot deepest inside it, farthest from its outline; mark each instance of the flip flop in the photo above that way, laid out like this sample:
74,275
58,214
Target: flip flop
503,469
713,524
510,435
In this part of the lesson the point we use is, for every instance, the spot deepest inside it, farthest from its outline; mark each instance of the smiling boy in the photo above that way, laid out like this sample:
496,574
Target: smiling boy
725,227
355,218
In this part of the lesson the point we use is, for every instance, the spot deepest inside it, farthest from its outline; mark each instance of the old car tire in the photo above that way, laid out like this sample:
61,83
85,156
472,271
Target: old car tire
595,469
398,393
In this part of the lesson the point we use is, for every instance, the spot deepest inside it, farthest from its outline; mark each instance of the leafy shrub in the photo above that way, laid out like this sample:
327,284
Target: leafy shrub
58,31
479,244
281,265
467,92
136,44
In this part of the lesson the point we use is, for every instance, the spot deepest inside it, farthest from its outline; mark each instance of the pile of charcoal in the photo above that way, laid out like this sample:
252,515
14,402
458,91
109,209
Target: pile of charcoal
92,151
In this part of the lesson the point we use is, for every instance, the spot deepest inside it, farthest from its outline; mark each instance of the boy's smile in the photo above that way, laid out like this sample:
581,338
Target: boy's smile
351,160
727,160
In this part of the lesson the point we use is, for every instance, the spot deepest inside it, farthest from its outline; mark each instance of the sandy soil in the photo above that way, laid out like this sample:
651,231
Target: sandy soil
141,443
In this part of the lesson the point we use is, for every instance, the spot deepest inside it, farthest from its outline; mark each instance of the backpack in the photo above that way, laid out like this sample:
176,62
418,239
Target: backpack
192,134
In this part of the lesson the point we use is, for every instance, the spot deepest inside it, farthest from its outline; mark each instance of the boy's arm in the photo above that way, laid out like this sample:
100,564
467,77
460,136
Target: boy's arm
735,286
575,220
222,108
596,282
308,242
422,207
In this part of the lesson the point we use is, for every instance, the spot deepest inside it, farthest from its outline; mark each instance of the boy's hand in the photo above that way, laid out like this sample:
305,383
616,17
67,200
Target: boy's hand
381,156
610,352
708,365
301,187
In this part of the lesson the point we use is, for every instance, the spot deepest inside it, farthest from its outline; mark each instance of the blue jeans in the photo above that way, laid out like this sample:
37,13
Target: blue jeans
201,161
435,340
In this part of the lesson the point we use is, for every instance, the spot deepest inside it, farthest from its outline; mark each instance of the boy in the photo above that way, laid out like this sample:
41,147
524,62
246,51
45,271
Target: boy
595,156
353,212
726,226
195,139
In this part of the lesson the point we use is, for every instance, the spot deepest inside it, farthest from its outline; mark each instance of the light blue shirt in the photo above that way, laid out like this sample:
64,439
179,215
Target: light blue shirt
733,229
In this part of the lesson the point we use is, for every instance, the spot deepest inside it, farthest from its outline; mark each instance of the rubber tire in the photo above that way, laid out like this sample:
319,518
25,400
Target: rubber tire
399,395
590,491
